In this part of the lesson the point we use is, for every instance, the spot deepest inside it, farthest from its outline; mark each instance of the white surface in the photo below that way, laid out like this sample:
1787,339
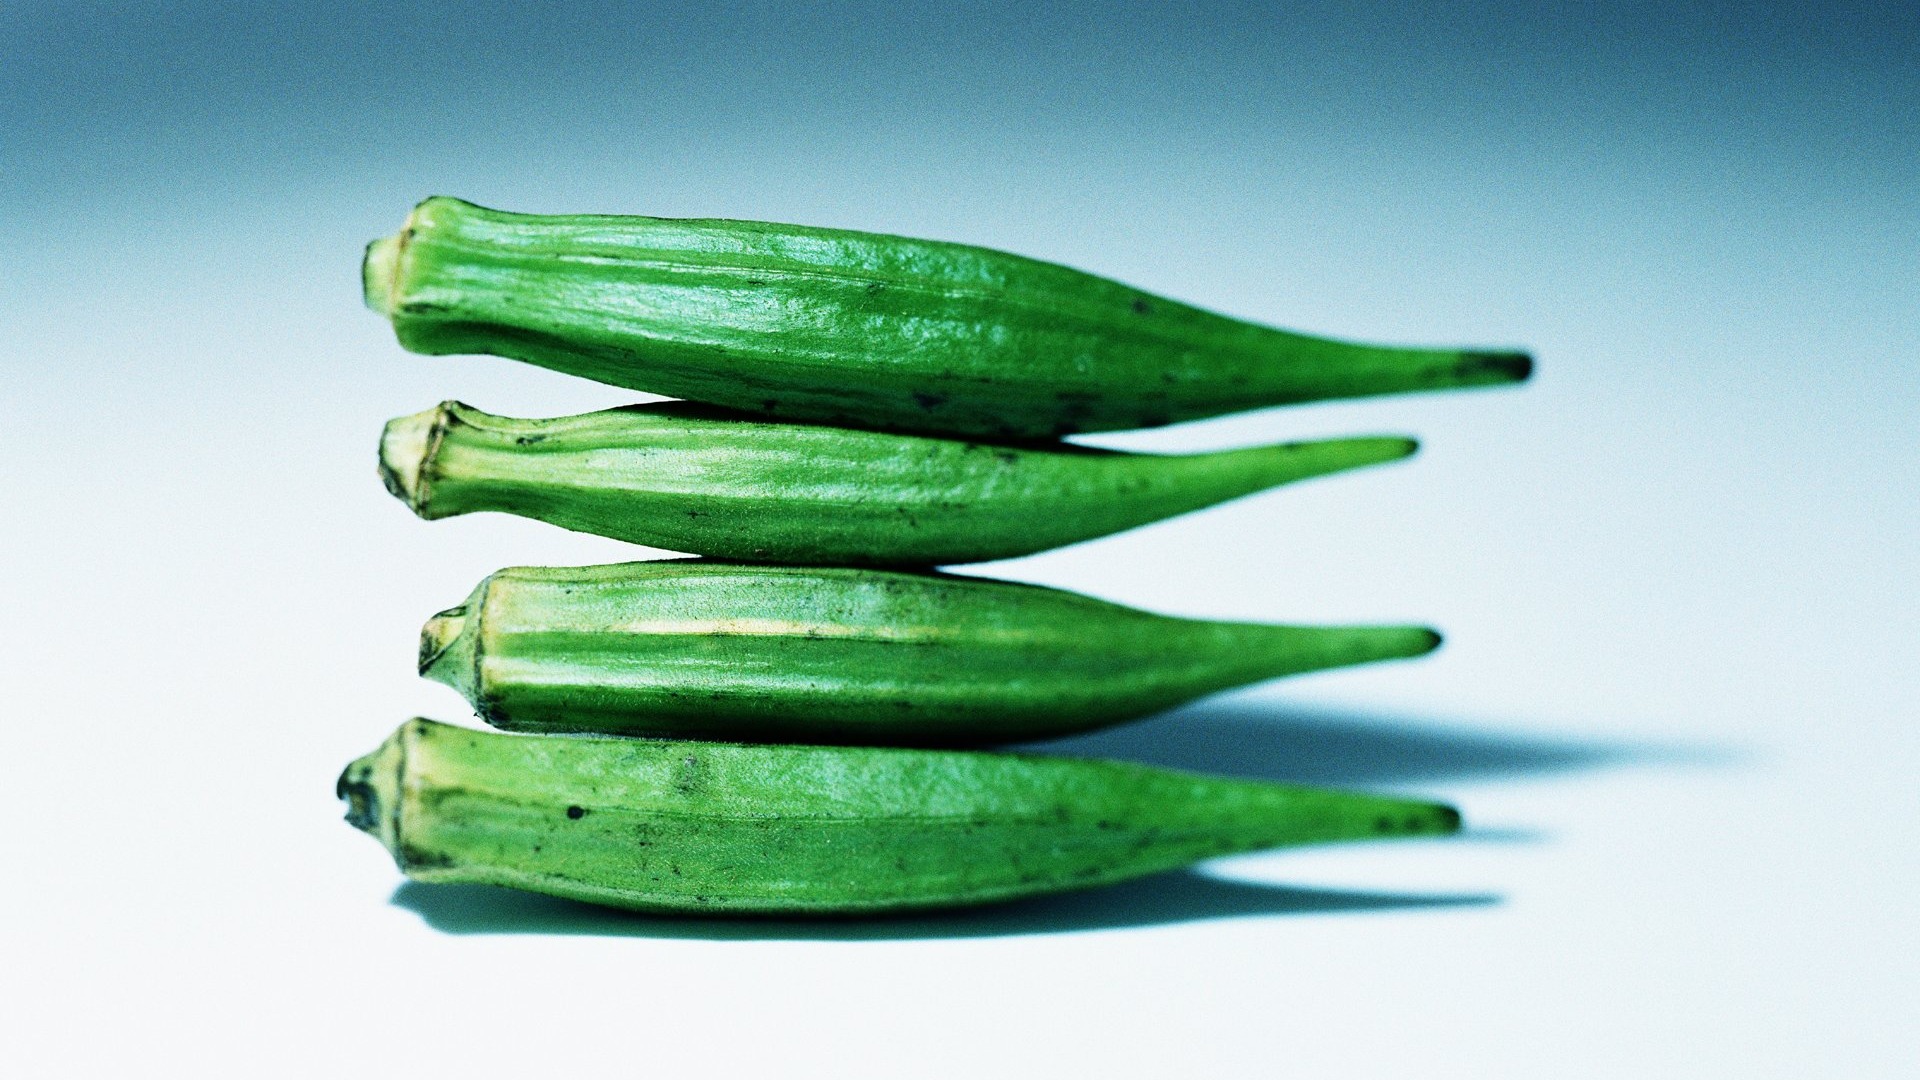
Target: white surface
1676,704
1677,699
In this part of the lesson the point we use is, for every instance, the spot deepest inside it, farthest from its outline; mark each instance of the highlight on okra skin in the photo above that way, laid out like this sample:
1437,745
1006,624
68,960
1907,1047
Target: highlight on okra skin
855,328
697,479
700,649
695,827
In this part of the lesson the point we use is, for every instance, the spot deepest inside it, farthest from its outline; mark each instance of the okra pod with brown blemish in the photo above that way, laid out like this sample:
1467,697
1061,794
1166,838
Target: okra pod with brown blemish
695,479
713,828
855,328
799,654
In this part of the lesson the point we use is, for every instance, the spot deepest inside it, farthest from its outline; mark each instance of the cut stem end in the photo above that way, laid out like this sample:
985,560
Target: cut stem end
406,445
377,272
371,789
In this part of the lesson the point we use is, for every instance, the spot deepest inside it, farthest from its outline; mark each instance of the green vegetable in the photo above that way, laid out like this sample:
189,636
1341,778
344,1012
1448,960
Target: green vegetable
857,328
691,478
718,828
786,654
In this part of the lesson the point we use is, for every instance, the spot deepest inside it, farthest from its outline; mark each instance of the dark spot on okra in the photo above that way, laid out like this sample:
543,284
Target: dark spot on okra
528,440
928,401
575,813
422,307
1382,825
413,858
1141,307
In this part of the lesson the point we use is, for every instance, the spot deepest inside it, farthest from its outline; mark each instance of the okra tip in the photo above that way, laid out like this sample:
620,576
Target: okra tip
1495,366
1423,640
405,446
1394,642
1338,455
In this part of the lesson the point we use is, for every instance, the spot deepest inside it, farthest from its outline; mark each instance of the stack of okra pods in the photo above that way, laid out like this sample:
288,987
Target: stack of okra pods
754,731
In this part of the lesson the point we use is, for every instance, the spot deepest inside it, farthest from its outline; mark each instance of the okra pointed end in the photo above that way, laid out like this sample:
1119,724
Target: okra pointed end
1407,642
1380,448
1427,819
1339,455
406,445
1318,648
1490,367
1376,818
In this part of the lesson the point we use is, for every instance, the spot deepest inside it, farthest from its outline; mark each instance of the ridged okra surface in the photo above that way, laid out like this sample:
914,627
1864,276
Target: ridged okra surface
700,480
718,828
855,328
794,654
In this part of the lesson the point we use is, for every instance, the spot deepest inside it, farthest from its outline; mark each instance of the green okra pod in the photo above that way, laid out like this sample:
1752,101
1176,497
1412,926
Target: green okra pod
719,828
858,328
797,654
696,479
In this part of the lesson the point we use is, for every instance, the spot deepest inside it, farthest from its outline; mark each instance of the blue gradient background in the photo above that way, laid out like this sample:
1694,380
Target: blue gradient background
1676,570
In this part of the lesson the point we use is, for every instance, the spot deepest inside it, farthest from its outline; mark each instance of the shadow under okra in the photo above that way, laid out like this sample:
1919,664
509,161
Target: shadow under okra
1255,739
1181,896
1269,740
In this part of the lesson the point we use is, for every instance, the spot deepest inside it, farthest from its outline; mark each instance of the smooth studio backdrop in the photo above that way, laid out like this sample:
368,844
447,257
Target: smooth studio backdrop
1676,570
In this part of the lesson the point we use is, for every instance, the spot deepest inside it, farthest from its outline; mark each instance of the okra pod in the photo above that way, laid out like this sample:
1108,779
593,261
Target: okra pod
858,328
717,828
695,479
796,654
